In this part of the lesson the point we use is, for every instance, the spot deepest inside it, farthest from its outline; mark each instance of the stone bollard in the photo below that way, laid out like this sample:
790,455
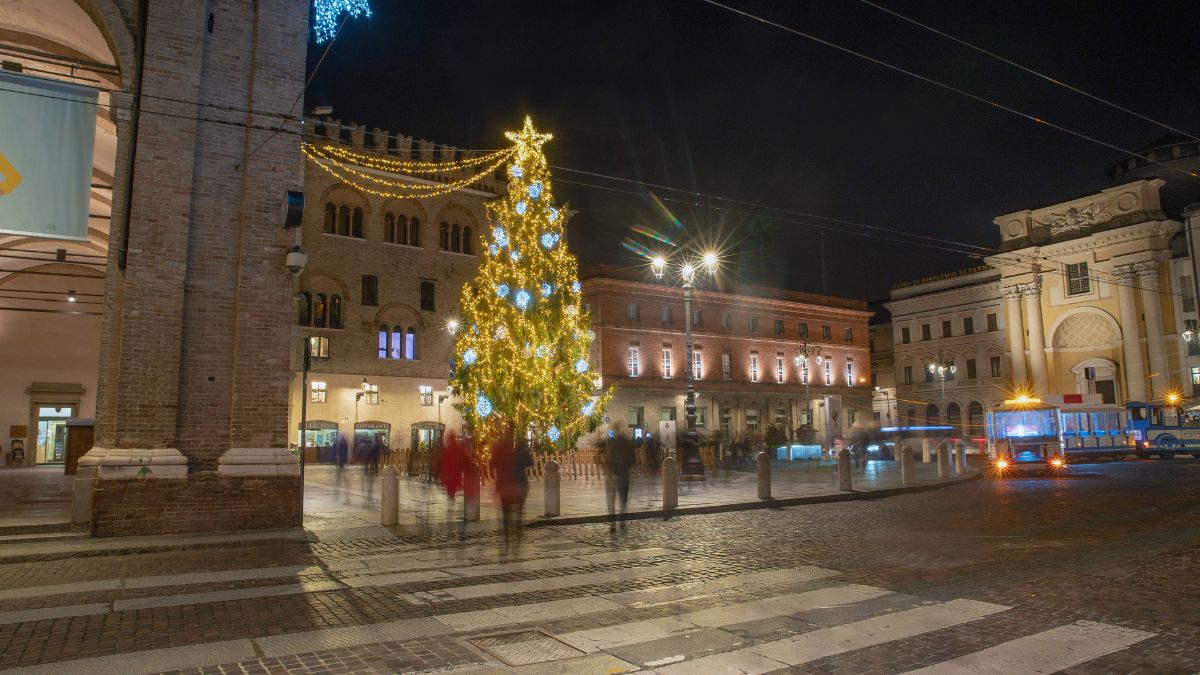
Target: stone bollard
471,493
843,470
926,453
960,459
764,476
670,477
550,484
389,510
906,466
943,460
81,500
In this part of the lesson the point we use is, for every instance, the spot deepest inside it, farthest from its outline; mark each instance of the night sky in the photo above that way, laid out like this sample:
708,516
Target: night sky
687,95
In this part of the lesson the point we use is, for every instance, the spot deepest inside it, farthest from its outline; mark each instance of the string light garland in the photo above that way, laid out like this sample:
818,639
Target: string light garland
530,358
374,161
327,12
324,157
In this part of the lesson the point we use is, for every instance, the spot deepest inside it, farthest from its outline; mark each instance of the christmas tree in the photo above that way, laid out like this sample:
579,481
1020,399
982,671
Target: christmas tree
522,344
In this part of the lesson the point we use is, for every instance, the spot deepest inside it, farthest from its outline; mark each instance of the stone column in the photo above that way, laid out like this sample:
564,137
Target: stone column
1135,372
1032,292
1152,309
1016,334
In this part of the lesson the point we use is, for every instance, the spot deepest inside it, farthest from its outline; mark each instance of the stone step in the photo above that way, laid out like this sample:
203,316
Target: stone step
34,525
33,537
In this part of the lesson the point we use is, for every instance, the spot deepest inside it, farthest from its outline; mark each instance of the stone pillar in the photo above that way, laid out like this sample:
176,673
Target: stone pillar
1032,293
471,490
960,459
1016,334
764,476
943,460
843,470
906,466
926,450
1152,309
1135,372
550,488
670,488
389,509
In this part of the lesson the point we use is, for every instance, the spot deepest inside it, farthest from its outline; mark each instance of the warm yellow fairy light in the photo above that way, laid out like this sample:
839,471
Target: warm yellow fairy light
395,188
385,163
522,346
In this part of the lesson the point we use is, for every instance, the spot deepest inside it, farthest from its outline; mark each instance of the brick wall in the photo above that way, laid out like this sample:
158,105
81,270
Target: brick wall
203,502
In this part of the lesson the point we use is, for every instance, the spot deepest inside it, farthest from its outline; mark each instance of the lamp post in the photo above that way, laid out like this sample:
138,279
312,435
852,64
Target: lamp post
358,396
692,467
942,366
804,353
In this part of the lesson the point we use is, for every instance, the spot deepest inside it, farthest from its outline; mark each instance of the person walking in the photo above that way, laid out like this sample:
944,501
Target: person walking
509,463
341,457
620,461
452,466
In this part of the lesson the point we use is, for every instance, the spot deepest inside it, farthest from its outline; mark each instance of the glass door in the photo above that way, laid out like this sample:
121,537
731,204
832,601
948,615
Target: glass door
52,434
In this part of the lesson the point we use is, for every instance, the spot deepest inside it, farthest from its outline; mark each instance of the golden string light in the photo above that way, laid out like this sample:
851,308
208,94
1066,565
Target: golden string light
385,163
373,184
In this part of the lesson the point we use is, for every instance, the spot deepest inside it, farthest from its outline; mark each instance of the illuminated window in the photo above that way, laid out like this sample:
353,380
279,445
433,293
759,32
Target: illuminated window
828,372
666,363
1078,281
727,366
318,347
849,335
383,341
397,350
779,368
410,344
426,393
371,394
316,392
850,372
697,365
753,367
635,364
1195,375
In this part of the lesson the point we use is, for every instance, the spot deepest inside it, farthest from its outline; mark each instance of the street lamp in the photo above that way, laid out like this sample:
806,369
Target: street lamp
358,396
692,467
804,353
942,366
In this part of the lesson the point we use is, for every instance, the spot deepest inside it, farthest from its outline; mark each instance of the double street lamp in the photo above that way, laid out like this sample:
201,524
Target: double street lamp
804,353
692,467
942,366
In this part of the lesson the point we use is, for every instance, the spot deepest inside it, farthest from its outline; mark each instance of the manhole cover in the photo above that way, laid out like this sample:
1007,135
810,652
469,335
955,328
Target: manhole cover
525,647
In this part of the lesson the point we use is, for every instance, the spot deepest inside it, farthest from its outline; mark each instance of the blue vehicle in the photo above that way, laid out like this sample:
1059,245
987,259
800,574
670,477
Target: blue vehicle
1092,431
1163,429
1025,431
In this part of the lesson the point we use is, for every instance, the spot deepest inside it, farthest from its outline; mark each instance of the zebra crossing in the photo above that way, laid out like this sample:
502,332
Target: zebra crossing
753,622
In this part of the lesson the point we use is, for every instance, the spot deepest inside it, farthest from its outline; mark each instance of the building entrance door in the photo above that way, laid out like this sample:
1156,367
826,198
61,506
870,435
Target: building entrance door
1108,390
52,434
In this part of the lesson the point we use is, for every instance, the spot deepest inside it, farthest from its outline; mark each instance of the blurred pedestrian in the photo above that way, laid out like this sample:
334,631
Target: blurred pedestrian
341,458
453,465
509,462
620,460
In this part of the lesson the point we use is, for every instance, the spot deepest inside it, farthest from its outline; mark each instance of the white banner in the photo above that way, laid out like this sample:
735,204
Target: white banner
47,136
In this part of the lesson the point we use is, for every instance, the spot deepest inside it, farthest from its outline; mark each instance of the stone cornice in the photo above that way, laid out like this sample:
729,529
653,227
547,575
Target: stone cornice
656,292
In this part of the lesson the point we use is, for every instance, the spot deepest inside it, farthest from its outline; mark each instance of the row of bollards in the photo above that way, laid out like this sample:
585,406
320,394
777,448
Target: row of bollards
390,476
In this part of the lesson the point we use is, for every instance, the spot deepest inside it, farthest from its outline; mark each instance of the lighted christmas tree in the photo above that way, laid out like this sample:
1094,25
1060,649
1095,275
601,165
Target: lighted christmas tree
522,344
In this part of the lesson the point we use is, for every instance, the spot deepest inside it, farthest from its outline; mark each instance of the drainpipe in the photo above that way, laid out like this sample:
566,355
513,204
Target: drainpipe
134,115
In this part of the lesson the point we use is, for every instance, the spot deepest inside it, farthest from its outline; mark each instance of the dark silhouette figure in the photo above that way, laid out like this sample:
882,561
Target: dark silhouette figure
509,463
620,461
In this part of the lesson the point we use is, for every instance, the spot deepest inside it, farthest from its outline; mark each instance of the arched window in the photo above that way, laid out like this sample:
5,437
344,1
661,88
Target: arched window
330,218
410,344
456,238
467,246
444,237
357,223
335,311
319,309
954,417
932,415
414,232
304,309
389,228
343,223
397,342
401,230
975,418
383,342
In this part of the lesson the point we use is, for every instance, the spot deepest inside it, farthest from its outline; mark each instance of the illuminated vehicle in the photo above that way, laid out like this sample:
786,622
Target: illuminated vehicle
1163,429
1025,431
1090,431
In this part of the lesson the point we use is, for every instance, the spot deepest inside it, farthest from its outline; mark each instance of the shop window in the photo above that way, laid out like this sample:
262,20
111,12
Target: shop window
634,416
370,289
330,218
304,309
426,393
318,348
316,392
427,296
666,413
335,311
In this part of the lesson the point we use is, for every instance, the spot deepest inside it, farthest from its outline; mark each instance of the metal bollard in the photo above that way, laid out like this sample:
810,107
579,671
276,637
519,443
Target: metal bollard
550,484
764,476
906,466
471,493
389,510
843,470
670,476
81,501
960,459
943,460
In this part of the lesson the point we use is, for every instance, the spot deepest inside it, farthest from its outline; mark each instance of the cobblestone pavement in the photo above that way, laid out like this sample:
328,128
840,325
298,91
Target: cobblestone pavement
1097,572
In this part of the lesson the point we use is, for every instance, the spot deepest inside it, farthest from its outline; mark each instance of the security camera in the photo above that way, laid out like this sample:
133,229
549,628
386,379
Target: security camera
296,260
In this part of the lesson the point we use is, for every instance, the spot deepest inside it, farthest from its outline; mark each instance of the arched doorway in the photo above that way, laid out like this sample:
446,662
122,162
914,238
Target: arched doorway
975,419
954,419
932,415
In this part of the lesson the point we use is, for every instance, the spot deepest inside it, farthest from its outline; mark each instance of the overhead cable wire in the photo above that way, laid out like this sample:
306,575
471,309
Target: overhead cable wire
943,85
1027,69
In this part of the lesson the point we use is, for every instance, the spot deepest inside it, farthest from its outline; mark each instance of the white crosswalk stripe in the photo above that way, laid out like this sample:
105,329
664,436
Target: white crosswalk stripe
1046,652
